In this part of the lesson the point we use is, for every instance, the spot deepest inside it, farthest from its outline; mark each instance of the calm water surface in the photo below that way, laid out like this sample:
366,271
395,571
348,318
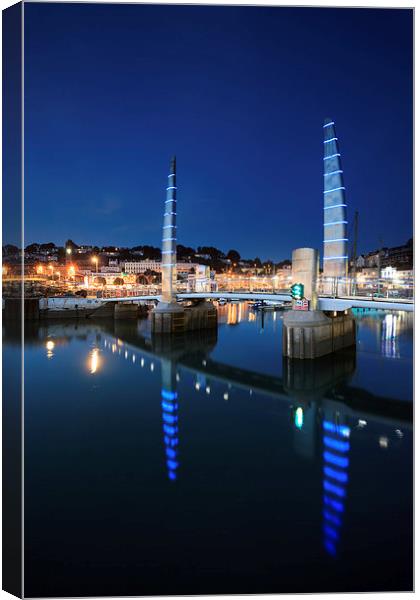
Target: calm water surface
210,464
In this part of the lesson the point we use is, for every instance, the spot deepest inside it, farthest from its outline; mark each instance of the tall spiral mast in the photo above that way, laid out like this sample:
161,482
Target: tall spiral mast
169,238
335,207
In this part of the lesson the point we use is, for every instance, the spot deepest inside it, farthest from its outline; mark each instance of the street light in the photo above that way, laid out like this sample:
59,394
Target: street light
95,260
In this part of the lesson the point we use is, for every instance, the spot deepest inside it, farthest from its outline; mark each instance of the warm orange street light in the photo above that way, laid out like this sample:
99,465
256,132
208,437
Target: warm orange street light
95,260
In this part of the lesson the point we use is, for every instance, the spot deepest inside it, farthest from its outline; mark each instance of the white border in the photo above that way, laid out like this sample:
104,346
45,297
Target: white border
291,3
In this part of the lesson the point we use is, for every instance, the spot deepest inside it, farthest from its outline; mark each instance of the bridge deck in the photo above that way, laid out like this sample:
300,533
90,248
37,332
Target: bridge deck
324,303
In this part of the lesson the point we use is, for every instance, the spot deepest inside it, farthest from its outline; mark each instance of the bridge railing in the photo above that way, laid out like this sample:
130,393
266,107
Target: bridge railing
122,292
401,288
367,287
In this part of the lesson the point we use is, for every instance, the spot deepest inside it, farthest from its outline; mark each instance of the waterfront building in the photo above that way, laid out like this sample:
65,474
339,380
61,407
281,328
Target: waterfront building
389,273
360,262
141,266
335,207
283,277
396,275
399,256
107,278
83,249
113,267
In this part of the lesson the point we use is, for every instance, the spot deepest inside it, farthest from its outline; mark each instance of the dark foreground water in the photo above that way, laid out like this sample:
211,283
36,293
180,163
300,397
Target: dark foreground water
210,465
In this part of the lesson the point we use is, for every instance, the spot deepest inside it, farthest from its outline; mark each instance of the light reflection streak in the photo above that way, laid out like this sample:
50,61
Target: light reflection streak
50,345
94,361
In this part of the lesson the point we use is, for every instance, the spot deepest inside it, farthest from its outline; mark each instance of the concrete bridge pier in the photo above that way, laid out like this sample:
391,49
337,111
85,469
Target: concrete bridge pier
312,333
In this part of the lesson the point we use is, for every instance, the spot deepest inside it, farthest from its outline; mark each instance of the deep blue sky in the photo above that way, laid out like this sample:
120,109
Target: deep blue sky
239,94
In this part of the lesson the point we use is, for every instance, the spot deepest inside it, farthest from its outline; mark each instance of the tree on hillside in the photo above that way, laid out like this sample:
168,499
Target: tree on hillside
233,256
32,248
213,252
48,246
185,251
9,249
284,263
71,244
152,253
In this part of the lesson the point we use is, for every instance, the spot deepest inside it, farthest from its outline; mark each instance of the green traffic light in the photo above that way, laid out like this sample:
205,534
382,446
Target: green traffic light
296,291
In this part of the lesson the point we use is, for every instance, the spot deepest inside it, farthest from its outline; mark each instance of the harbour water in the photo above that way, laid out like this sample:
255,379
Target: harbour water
208,464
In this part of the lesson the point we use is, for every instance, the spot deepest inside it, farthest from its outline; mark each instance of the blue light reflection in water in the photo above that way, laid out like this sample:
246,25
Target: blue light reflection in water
267,477
170,415
332,478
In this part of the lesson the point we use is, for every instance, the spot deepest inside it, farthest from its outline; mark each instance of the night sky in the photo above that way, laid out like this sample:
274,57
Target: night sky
239,94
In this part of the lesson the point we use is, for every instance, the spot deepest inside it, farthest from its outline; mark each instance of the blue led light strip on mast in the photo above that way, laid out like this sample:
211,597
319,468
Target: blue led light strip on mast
334,190
331,156
334,257
333,173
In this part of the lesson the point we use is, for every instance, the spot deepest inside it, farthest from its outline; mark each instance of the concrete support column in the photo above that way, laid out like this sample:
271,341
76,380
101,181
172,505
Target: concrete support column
305,269
311,334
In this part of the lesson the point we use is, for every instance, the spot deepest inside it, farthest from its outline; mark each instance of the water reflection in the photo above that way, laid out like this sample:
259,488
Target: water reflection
93,361
387,327
50,347
324,426
390,327
317,388
170,416
336,450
